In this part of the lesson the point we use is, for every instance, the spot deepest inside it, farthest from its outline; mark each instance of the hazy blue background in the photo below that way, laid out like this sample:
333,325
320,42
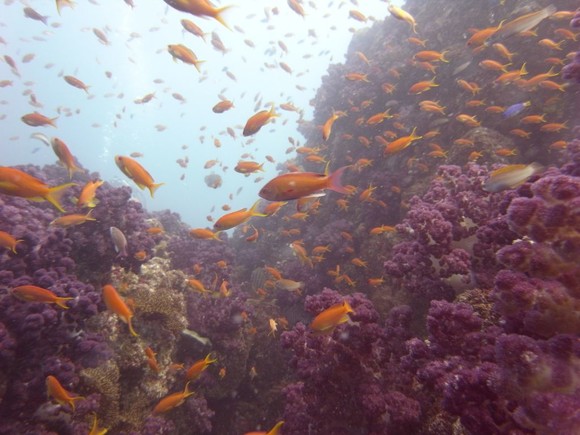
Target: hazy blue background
108,122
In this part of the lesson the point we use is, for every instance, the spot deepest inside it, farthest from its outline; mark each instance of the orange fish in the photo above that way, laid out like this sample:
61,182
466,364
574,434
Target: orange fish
422,86
198,367
480,37
65,156
430,56
553,127
296,185
248,167
132,169
88,193
173,400
222,106
258,120
8,241
71,220
58,393
31,293
14,182
35,119
401,143
379,117
330,318
151,359
204,234
117,305
274,431
184,54
327,127
199,8
192,28
155,230
73,81
236,218
357,77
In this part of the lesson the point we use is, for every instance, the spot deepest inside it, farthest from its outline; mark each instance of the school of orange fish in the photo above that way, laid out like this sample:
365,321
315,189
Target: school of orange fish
545,26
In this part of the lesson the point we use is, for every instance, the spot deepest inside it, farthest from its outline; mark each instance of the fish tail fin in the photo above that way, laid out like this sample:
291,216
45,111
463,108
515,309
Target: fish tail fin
154,187
334,182
131,330
196,65
55,193
219,17
72,401
443,56
61,302
276,429
52,121
347,307
186,391
209,359
253,211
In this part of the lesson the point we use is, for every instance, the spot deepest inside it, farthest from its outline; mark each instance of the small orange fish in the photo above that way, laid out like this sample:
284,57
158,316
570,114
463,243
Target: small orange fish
503,51
506,152
115,304
258,120
422,86
195,370
65,156
533,119
73,81
70,220
272,208
357,77
236,218
192,28
480,37
132,169
222,106
382,229
379,117
151,359
330,318
35,119
553,127
14,182
468,120
8,241
154,230
204,234
31,293
88,193
520,133
140,255
327,127
296,185
172,401
248,167
55,390
431,56
401,143
199,8
184,54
